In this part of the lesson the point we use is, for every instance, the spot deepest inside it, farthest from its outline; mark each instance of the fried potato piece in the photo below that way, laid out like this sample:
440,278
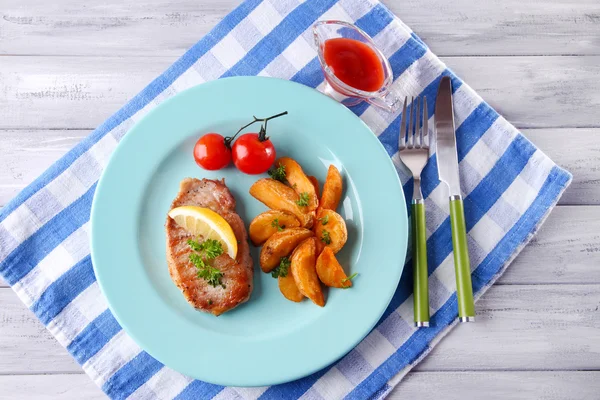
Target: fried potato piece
305,273
315,184
330,271
279,196
287,286
270,222
299,181
330,230
332,189
281,244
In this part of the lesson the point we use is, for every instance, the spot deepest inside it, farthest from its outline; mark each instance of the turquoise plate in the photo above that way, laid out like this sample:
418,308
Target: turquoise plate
268,340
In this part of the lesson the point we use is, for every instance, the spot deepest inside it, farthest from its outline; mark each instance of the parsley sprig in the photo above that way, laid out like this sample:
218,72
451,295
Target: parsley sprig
325,237
275,224
304,198
278,173
348,279
282,269
324,220
202,253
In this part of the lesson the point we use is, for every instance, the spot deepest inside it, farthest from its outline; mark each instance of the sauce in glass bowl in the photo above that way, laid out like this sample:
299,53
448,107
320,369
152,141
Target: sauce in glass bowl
355,63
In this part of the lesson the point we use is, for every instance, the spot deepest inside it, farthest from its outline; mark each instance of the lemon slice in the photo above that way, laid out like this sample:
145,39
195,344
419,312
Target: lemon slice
204,222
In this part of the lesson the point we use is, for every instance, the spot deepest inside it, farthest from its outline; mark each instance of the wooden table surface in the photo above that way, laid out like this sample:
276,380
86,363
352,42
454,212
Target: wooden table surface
67,65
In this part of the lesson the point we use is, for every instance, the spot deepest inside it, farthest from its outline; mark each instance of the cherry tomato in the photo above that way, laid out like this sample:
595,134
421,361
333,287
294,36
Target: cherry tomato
252,155
211,152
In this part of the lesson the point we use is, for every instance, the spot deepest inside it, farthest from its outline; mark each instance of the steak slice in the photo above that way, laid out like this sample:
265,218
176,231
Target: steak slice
237,274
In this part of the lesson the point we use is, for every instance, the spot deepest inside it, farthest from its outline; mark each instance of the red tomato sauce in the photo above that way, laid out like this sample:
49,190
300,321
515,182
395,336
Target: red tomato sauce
355,63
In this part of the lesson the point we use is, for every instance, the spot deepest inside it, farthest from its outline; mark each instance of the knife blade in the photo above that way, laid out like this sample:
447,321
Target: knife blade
447,157
447,163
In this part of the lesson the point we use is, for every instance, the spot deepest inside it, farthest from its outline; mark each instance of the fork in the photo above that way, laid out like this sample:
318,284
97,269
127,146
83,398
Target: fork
414,153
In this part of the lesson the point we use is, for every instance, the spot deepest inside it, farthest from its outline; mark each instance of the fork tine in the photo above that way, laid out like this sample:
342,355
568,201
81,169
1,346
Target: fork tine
418,133
411,128
402,138
425,123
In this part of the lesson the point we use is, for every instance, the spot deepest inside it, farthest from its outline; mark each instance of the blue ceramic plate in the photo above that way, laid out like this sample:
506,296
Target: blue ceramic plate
268,340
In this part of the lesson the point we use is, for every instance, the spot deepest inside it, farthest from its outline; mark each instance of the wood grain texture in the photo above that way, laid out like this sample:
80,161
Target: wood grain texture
577,150
81,92
49,387
536,92
26,153
528,327
499,385
25,345
65,66
565,250
508,27
112,27
538,327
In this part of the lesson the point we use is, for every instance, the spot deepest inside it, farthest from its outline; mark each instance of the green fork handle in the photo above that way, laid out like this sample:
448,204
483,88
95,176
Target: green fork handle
420,273
462,265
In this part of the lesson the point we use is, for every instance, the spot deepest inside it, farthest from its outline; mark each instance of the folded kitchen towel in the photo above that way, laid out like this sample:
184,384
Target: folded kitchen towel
509,188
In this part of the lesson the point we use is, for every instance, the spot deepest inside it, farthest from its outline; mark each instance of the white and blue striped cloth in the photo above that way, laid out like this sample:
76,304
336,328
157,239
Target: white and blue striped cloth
509,188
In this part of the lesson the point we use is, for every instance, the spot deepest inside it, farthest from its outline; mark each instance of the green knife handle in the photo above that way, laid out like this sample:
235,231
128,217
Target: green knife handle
420,274
462,266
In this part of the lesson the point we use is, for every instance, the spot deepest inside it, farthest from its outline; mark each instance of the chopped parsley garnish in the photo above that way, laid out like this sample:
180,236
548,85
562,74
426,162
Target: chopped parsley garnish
303,201
210,302
207,250
348,279
325,219
275,224
278,173
194,245
325,238
282,269
212,248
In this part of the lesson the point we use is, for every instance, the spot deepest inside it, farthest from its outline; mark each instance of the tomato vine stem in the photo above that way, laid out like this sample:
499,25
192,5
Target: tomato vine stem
262,134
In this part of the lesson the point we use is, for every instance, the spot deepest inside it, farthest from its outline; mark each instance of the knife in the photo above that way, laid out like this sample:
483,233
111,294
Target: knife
447,163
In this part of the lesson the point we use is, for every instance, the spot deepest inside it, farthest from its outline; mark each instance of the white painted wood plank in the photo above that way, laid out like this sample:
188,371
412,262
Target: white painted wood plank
529,327
533,92
565,250
81,92
25,154
461,385
578,151
26,346
499,385
148,27
70,92
49,387
539,327
109,27
513,27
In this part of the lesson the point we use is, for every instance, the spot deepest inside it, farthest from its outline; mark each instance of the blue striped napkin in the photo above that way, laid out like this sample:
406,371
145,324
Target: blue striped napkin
509,188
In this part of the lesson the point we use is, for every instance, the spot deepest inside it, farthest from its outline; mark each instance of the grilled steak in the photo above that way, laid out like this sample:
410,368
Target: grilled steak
237,274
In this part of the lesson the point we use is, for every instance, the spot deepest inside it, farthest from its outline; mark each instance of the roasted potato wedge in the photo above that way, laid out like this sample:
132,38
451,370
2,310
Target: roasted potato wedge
304,271
315,184
332,189
330,230
299,181
279,196
287,286
270,222
281,244
330,271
